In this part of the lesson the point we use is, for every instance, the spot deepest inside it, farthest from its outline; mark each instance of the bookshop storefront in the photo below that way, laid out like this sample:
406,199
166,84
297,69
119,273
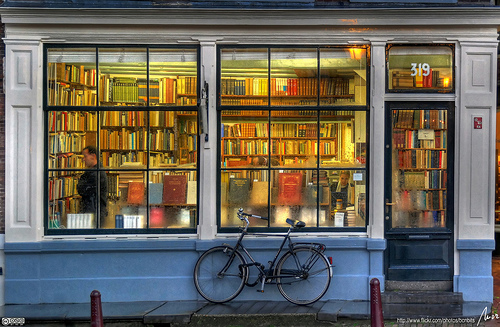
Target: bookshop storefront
133,138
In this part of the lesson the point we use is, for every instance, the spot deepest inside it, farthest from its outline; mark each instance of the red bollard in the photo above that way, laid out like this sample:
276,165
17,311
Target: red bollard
96,309
376,304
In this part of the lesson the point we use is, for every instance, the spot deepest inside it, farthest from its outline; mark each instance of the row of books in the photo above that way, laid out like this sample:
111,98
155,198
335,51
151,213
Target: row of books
66,160
159,176
80,221
422,200
61,71
421,159
276,101
130,221
420,219
420,139
189,142
428,179
302,86
63,187
123,118
420,119
135,90
116,160
404,79
64,94
244,130
307,148
162,140
287,113
123,139
72,121
66,142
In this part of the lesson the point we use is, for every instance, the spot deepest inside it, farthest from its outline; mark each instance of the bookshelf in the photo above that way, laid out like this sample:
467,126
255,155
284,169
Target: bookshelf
419,141
71,85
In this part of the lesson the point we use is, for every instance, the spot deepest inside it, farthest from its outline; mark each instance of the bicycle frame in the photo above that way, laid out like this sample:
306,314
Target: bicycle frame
267,275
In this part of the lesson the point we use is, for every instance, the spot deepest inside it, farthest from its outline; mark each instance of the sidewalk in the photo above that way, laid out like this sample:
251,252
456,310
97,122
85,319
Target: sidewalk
232,314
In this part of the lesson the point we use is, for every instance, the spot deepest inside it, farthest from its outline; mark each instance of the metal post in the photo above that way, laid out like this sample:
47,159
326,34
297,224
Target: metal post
376,304
96,309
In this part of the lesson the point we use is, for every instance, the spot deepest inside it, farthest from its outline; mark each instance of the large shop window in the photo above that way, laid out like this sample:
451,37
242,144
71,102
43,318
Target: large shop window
121,140
293,136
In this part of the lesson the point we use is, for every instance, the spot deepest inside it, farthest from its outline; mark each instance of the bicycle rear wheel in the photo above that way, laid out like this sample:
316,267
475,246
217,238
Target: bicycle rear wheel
218,274
305,275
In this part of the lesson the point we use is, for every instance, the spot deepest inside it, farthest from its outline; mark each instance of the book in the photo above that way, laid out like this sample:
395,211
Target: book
155,193
290,188
239,189
191,192
259,193
156,217
135,194
174,189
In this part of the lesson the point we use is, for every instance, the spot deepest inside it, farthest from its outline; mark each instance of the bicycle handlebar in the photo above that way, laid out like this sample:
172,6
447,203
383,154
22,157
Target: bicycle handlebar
242,215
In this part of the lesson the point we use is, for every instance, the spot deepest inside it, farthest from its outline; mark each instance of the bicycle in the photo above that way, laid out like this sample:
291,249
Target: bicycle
302,274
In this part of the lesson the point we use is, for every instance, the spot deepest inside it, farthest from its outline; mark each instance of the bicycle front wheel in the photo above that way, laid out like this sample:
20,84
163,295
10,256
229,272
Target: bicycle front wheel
304,275
219,275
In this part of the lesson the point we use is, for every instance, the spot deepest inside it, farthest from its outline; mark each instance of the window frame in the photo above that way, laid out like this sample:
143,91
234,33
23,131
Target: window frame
102,108
318,108
420,90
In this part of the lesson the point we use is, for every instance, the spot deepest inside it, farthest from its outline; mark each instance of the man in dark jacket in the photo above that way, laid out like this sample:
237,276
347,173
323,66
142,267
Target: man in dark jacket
87,185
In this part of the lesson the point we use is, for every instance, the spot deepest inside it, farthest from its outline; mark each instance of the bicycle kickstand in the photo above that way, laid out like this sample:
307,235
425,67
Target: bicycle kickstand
263,281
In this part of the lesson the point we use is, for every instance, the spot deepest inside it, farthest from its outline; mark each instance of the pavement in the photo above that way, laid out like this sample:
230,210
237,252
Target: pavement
261,313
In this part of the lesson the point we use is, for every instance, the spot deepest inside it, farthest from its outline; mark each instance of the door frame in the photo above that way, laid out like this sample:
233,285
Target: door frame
404,257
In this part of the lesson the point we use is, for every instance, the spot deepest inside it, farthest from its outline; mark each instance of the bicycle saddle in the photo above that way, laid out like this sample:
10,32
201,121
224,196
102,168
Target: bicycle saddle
296,223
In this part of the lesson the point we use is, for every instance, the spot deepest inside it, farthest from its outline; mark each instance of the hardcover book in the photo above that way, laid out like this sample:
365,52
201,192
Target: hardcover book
259,193
135,193
155,193
174,189
290,188
239,189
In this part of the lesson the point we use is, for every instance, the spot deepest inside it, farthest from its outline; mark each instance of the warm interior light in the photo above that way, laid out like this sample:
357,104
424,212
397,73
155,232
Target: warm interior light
356,53
446,82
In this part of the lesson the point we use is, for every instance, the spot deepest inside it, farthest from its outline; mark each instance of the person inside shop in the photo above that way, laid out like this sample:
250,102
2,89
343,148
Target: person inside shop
344,186
87,184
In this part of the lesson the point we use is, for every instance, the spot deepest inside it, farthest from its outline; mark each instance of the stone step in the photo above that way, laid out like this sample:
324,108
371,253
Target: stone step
421,297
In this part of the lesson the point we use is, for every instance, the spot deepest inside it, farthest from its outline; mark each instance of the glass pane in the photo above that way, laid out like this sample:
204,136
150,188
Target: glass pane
244,138
244,77
122,72
294,77
343,139
343,76
127,200
346,197
173,139
288,197
71,77
172,199
123,138
69,133
419,175
294,138
423,68
173,77
248,189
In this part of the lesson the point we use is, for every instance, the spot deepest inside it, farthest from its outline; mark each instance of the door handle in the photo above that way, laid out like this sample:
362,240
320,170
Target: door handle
390,204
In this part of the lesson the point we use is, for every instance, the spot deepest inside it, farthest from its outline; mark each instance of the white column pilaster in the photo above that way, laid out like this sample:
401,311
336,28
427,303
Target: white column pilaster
24,191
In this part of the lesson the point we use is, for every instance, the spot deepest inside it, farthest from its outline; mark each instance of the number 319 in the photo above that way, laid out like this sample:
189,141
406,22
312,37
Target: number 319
423,69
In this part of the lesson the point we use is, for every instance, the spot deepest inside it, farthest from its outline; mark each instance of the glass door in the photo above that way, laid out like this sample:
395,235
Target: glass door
419,176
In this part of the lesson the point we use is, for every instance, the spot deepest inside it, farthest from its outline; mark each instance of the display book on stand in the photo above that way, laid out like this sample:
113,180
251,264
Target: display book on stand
175,191
292,192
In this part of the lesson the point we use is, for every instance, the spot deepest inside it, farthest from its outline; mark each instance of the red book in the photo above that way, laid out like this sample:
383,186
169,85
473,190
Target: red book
156,217
135,193
290,189
174,189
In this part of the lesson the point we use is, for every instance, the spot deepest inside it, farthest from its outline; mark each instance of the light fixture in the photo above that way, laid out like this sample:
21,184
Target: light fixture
356,53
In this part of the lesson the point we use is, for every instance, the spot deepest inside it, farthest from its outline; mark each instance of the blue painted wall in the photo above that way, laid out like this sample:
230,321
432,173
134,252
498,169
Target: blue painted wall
159,270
